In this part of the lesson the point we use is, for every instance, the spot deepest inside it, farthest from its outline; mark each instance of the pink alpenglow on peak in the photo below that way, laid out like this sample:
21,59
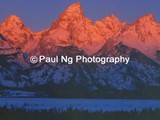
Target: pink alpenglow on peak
13,21
17,34
72,15
72,28
75,29
15,31
143,35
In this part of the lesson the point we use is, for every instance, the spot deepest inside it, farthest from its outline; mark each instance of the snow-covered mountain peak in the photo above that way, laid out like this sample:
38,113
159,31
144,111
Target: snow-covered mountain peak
147,27
13,22
111,18
73,28
113,23
72,15
149,18
14,30
76,7
143,35
109,27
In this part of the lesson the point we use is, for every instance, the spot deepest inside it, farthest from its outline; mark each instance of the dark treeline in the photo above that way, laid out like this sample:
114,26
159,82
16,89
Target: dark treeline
21,114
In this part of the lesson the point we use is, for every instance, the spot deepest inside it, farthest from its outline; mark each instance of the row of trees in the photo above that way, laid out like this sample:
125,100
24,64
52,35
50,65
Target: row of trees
21,114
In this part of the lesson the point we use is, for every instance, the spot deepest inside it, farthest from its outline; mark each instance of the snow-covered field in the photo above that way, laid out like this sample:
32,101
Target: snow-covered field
80,104
16,93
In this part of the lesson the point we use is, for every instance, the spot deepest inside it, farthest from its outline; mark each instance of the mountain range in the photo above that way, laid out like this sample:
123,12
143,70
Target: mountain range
73,34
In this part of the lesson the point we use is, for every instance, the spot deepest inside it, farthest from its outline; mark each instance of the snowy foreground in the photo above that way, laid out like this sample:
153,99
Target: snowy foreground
91,105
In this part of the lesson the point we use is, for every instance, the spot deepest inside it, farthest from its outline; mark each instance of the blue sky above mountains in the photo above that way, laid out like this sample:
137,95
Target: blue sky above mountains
39,14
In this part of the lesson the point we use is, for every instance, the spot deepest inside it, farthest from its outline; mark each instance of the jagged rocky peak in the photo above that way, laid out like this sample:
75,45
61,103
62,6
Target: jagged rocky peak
111,18
71,27
113,23
72,15
148,18
13,22
74,8
109,27
74,11
147,22
143,35
14,30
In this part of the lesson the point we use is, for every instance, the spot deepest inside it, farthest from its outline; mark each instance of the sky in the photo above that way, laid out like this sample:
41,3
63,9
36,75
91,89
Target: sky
39,14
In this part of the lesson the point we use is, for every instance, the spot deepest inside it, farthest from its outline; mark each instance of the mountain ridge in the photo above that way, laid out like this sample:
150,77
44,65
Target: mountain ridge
73,34
73,28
